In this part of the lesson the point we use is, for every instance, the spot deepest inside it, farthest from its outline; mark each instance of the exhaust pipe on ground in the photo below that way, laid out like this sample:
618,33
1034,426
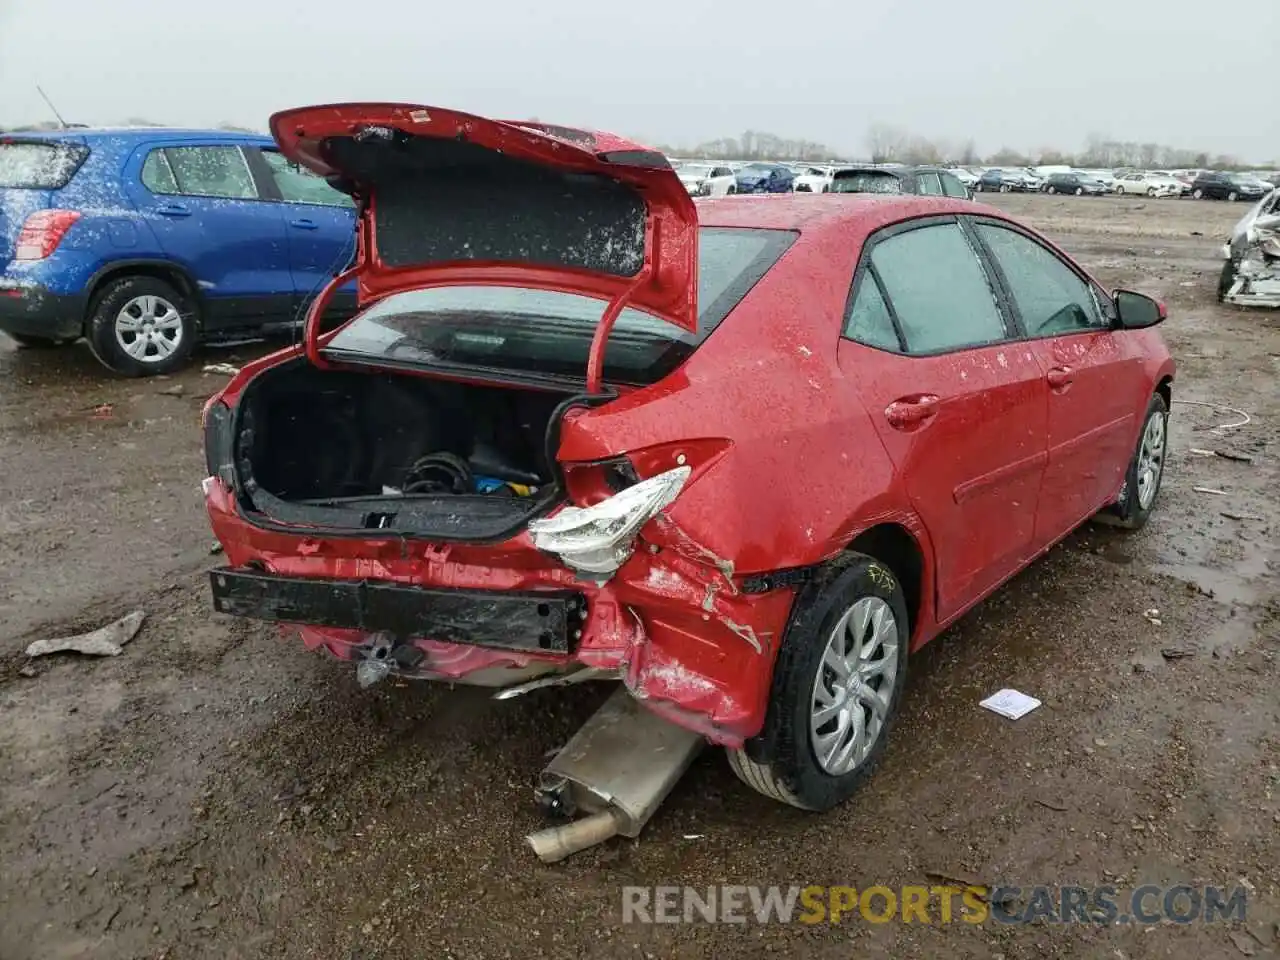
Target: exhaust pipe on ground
617,770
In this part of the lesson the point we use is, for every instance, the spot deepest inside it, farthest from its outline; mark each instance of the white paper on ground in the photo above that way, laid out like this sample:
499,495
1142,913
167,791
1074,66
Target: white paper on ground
1010,703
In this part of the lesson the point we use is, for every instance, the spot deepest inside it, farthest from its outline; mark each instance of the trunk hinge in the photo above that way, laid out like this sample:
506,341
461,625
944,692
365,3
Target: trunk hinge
595,358
311,329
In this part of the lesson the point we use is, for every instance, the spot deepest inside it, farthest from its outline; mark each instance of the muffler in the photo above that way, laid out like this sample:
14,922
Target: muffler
617,770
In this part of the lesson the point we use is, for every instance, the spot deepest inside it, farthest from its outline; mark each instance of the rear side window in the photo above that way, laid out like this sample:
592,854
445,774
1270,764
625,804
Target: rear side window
211,172
869,320
39,166
929,184
157,175
938,289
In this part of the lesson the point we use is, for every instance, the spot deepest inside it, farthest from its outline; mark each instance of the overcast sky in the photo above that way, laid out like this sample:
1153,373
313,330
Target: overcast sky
1017,73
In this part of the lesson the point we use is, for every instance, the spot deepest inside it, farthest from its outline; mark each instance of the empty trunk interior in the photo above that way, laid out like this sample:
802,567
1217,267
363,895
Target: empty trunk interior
397,452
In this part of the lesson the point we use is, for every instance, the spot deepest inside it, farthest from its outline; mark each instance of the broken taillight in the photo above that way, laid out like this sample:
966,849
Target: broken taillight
42,233
598,539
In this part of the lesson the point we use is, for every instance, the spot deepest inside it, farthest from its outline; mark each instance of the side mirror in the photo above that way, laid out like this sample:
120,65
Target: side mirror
1137,311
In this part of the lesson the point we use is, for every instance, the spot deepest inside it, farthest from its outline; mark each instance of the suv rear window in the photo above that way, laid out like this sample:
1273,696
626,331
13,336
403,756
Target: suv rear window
865,181
39,166
541,331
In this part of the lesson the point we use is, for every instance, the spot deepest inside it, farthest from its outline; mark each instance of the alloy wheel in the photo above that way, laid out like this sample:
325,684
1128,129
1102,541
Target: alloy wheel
854,685
1151,460
149,328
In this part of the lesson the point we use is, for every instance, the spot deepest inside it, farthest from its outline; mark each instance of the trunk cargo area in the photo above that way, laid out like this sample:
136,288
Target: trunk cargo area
356,451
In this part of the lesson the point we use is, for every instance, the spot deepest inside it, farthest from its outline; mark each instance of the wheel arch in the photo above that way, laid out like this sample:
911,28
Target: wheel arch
902,552
165,270
1165,389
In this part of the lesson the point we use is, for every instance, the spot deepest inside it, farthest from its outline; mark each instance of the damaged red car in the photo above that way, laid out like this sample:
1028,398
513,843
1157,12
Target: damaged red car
743,458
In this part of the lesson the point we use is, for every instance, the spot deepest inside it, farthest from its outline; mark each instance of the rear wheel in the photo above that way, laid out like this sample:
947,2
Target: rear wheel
1004,188
1079,191
1119,189
731,190
836,688
141,326
1232,196
1151,191
1197,194
1146,471
38,343
1051,190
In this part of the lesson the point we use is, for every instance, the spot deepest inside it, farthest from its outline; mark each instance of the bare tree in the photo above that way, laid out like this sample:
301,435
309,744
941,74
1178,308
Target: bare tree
885,142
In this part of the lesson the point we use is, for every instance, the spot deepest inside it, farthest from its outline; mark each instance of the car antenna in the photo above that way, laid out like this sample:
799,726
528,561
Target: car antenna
44,96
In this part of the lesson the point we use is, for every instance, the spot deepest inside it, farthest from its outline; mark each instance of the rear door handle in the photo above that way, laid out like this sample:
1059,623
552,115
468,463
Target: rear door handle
173,210
304,224
1059,377
911,412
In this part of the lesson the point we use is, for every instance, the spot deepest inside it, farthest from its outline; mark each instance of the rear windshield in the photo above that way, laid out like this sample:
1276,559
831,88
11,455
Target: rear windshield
39,166
545,332
866,181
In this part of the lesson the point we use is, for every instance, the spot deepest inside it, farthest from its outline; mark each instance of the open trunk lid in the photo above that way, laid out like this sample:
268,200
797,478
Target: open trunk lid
447,198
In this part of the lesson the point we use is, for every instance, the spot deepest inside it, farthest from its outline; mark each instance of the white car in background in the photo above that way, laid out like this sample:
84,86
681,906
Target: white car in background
813,179
707,179
1105,177
965,176
1140,183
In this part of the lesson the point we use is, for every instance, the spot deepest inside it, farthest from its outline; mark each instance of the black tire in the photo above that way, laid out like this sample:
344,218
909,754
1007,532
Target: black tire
1079,191
1232,196
781,762
1004,188
1197,194
1050,189
1151,191
1128,512
1120,190
977,188
732,190
38,343
1226,279
114,298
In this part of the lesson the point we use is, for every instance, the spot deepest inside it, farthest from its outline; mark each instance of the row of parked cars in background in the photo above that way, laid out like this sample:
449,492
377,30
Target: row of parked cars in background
721,178
146,241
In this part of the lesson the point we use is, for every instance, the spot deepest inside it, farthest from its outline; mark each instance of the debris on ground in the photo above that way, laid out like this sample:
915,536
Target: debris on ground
1231,425
223,368
1213,490
1011,704
106,641
177,390
1240,516
101,412
1153,616
1176,653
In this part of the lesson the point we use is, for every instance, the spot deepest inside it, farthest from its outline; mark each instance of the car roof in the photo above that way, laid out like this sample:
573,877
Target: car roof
90,134
802,211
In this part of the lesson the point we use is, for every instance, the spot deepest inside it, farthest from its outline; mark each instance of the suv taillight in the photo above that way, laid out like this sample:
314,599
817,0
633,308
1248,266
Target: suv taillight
42,233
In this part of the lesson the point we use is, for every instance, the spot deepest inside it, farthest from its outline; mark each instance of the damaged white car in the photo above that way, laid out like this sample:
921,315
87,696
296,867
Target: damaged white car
1251,274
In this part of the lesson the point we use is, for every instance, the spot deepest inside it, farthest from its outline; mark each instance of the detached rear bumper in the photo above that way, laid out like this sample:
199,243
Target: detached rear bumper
33,311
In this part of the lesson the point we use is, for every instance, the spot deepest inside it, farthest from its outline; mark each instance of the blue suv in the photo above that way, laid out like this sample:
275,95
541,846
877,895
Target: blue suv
146,241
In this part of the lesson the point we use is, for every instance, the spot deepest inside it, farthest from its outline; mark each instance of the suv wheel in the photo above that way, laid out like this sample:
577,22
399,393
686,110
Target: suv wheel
1146,471
141,326
836,688
1232,196
1197,194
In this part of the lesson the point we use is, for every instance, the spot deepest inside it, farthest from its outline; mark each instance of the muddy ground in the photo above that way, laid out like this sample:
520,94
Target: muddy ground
217,792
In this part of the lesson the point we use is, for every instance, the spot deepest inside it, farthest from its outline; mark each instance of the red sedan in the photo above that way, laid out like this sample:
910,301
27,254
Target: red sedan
743,457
